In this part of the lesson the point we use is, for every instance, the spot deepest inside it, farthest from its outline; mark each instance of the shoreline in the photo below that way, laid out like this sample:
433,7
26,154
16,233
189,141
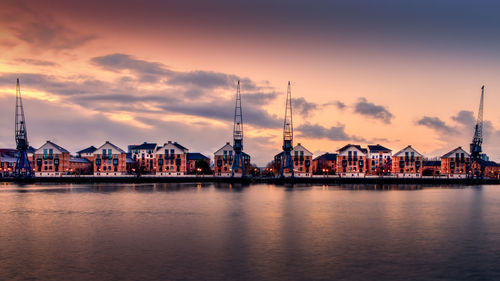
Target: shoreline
317,180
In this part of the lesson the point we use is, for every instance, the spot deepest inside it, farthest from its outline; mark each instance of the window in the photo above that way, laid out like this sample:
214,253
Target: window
51,152
110,153
172,151
45,153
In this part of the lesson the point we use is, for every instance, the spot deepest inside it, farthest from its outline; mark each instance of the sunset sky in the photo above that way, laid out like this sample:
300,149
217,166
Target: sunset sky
365,72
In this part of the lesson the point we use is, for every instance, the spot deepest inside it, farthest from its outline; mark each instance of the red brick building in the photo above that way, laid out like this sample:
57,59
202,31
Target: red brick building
351,161
407,163
455,163
51,160
192,158
109,160
171,160
223,161
325,164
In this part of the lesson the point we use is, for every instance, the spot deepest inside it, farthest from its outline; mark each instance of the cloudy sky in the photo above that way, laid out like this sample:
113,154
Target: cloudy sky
389,71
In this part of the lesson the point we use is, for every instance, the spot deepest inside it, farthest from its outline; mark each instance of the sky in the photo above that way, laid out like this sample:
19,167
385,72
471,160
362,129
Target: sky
391,72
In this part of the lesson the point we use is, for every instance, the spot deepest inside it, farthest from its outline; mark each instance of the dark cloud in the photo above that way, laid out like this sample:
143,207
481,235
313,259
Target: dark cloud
203,79
258,98
109,97
465,118
338,104
151,72
303,107
335,133
366,108
35,62
50,35
436,124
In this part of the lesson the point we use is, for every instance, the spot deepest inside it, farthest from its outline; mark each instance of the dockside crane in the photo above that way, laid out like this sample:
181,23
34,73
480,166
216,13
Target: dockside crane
238,160
477,141
286,156
23,167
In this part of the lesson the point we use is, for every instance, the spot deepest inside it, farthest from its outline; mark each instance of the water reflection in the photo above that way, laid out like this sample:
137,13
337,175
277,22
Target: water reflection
204,231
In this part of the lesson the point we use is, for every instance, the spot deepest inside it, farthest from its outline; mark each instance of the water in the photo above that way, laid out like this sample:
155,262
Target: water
258,232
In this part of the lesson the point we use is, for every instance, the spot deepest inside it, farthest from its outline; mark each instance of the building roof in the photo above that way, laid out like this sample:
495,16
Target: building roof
378,148
196,156
7,158
485,163
431,163
364,150
112,145
300,145
454,151
180,146
327,157
56,146
145,146
90,149
227,144
400,153
78,160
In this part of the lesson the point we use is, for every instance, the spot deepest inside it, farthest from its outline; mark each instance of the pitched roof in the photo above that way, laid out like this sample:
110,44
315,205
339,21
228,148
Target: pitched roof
227,143
364,150
90,149
378,148
78,160
144,145
454,151
327,156
485,163
56,146
180,146
7,158
195,156
112,145
299,144
408,147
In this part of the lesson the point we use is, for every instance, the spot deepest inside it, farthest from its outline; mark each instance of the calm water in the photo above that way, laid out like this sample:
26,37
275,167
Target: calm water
258,232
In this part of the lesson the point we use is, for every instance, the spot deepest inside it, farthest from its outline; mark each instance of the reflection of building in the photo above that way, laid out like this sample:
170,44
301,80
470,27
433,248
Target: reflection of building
325,164
109,160
455,162
192,157
378,160
144,155
223,161
407,163
51,160
171,160
351,160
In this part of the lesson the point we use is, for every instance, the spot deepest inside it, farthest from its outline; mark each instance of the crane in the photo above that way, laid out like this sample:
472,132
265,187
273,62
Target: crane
477,140
286,156
23,167
238,161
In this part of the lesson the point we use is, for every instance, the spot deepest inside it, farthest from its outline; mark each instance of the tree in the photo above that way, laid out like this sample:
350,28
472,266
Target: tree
203,165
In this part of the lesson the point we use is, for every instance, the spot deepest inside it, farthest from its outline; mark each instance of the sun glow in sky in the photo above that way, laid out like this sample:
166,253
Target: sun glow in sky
362,72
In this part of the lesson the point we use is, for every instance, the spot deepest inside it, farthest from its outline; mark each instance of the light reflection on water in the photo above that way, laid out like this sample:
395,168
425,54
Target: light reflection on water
249,232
